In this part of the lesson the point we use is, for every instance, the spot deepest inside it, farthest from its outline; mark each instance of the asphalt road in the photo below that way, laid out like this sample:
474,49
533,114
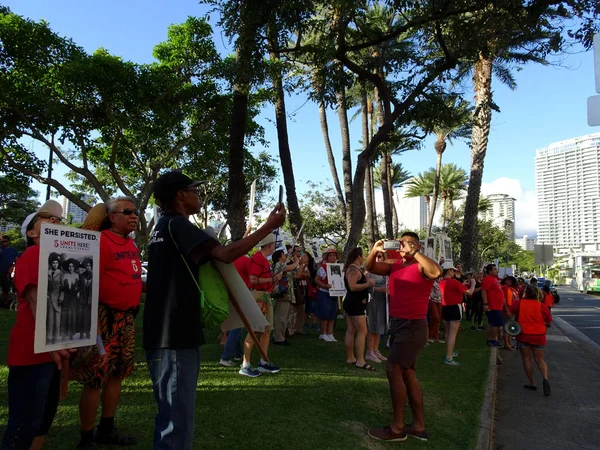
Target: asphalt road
580,310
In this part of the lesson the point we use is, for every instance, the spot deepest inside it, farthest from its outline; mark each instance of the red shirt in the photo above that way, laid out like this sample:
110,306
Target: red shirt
452,291
259,266
409,292
20,343
120,272
242,265
533,339
495,296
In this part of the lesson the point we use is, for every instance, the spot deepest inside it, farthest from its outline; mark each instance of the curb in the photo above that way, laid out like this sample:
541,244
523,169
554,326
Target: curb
580,339
485,437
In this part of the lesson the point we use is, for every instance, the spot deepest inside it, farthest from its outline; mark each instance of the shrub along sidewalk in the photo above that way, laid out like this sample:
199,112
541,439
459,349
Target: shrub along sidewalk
317,401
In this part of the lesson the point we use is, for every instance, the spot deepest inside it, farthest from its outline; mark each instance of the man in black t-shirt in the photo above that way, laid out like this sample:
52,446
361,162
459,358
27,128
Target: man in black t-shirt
172,329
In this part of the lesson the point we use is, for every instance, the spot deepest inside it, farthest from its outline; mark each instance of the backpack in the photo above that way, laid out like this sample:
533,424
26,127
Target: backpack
212,291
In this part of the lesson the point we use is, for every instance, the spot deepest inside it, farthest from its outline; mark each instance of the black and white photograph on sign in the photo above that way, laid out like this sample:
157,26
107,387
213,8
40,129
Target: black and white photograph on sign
335,278
447,249
67,306
315,249
430,247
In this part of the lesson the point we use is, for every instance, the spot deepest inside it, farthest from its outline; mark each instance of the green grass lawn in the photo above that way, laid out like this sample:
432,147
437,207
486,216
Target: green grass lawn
315,402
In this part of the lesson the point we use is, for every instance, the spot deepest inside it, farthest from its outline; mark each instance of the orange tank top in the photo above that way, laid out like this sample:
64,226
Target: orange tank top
530,317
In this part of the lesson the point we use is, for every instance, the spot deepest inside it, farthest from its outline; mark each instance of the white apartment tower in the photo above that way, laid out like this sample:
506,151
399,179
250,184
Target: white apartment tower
502,213
412,211
77,214
567,179
526,243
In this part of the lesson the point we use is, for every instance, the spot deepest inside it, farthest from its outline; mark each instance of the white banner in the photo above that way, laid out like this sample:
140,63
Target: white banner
67,303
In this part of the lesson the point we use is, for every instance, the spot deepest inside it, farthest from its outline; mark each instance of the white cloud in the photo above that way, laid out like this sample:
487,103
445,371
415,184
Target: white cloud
526,212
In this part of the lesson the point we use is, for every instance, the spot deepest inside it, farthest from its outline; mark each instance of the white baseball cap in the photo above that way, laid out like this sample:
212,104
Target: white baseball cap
50,207
448,265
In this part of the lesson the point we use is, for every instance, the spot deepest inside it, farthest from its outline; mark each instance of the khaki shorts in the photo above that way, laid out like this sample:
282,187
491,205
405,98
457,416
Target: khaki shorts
407,340
263,299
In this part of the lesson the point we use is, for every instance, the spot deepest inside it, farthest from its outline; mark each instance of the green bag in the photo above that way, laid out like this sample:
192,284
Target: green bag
213,293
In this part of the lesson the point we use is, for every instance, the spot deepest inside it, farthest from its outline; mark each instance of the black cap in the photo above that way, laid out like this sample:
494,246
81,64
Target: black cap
168,184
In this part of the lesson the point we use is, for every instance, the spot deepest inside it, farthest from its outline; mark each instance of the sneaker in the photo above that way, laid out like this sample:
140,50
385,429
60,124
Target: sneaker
481,328
420,435
237,358
249,371
546,387
324,337
226,362
380,356
441,341
454,354
115,437
331,338
451,362
494,344
268,367
315,328
386,434
372,357
431,341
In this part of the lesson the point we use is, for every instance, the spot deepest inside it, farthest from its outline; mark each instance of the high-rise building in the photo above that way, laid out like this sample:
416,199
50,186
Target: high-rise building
412,211
526,243
501,213
567,179
72,212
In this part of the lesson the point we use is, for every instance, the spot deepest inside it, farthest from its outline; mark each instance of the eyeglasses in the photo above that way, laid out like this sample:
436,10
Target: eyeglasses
48,216
128,212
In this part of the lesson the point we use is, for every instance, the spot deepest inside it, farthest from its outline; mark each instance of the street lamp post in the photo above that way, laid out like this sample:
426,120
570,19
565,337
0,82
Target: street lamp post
49,174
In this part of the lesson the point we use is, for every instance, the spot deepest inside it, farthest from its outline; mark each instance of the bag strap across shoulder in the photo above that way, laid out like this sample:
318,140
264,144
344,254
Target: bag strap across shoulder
185,261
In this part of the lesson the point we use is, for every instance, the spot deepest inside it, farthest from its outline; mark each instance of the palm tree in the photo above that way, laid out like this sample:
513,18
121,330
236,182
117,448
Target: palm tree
453,184
422,186
397,176
452,122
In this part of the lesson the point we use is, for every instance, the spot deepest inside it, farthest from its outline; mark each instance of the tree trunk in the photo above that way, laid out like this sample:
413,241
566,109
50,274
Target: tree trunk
285,155
385,188
482,82
392,203
318,87
364,101
440,146
373,124
342,110
236,194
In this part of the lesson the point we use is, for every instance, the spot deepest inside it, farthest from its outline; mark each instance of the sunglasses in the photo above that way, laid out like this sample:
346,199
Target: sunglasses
44,215
128,212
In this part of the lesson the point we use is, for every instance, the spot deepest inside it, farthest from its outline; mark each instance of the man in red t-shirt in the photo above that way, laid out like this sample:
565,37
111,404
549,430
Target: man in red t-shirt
493,304
120,290
410,279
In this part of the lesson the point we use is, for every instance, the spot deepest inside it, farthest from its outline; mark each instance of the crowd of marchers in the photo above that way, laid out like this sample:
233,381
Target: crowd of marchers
394,306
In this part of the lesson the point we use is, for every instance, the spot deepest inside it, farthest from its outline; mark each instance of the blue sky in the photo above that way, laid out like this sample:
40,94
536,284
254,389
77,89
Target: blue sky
549,104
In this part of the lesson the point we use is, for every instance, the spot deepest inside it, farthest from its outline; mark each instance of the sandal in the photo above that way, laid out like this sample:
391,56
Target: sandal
366,366
351,362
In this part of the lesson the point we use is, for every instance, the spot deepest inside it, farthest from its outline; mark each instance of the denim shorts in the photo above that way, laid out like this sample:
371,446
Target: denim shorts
327,306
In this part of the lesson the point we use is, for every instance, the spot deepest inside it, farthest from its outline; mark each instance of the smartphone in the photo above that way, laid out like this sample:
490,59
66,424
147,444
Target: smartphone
280,194
391,245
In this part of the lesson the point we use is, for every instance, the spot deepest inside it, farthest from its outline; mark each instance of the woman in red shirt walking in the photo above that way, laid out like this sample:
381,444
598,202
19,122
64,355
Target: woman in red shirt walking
533,317
452,296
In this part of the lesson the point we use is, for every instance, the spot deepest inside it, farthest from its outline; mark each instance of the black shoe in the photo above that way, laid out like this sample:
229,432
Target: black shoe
284,343
115,437
547,389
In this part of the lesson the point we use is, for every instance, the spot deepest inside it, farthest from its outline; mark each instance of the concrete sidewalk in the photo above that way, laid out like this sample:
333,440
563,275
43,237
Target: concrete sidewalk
568,419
